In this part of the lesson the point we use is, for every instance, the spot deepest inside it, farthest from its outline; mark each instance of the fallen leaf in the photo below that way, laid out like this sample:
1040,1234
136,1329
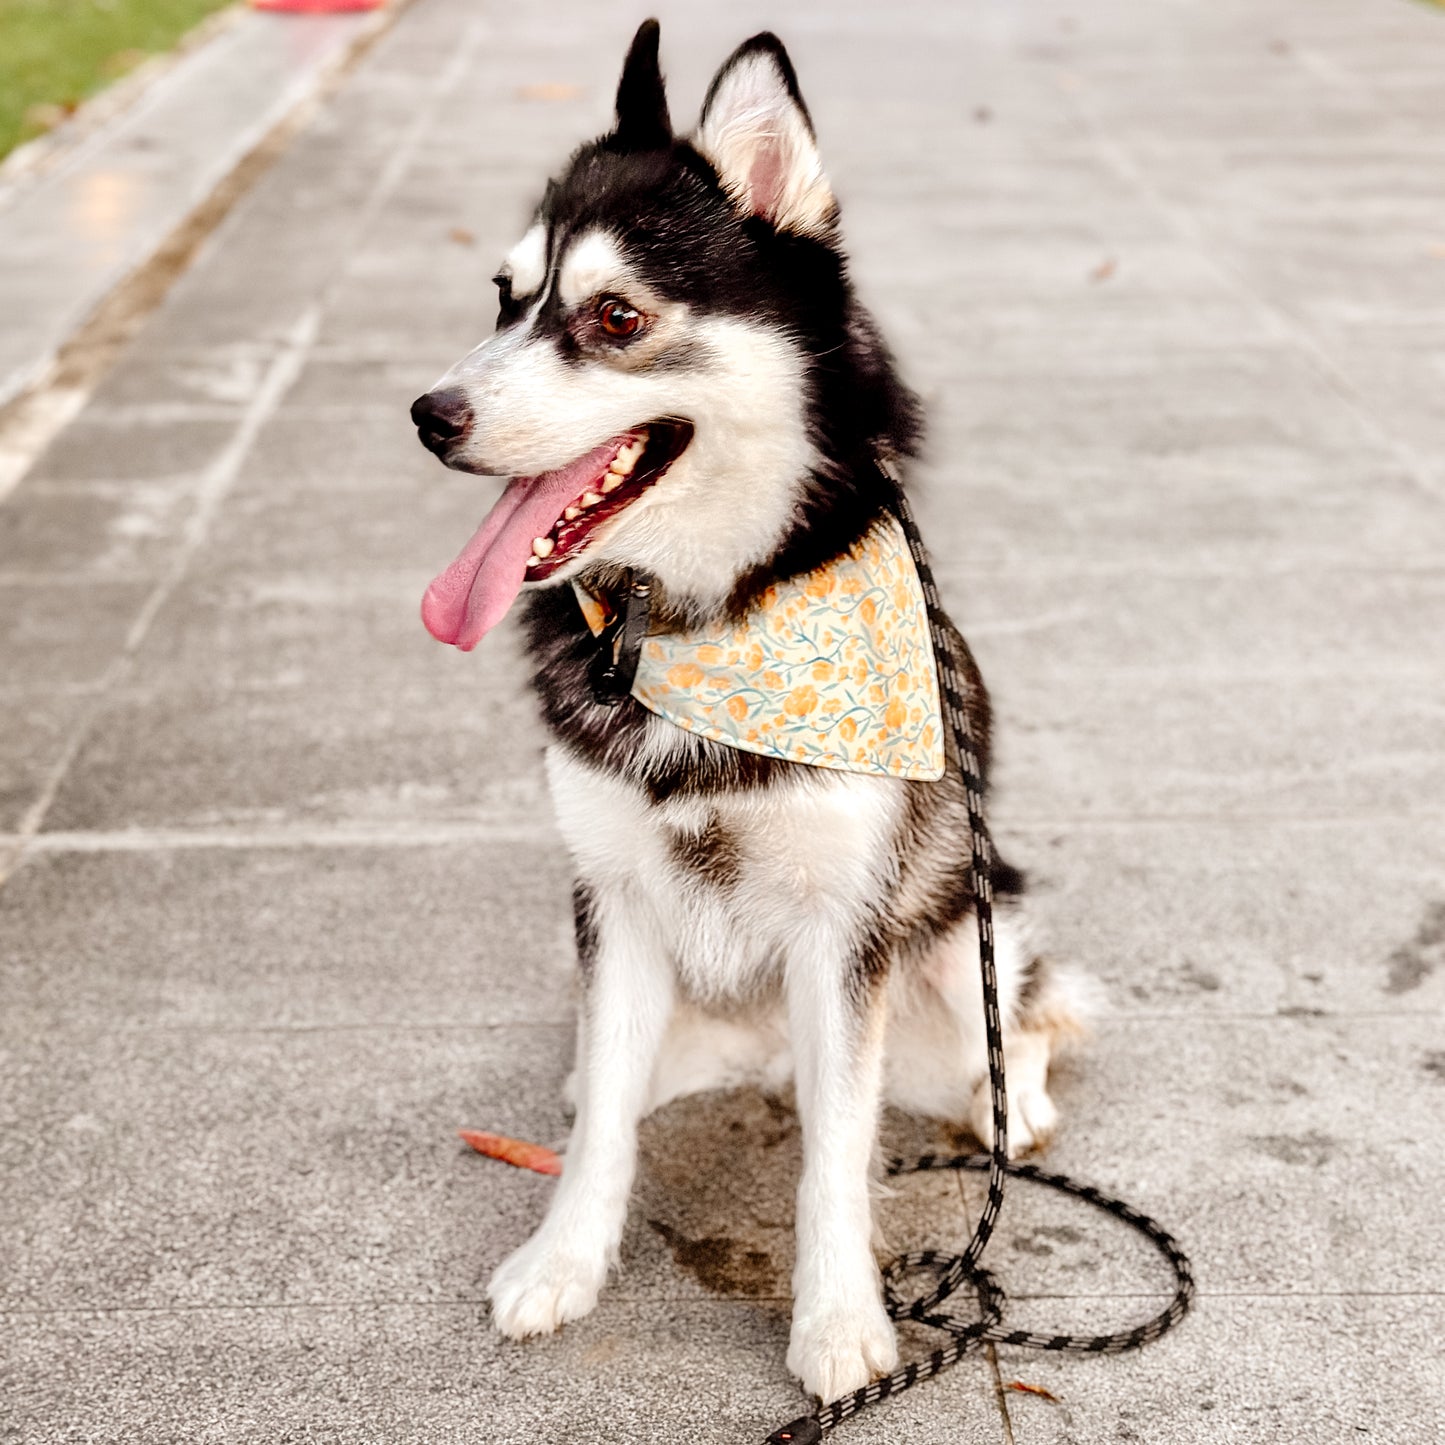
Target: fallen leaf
549,90
1038,1390
517,1152
462,236
1103,270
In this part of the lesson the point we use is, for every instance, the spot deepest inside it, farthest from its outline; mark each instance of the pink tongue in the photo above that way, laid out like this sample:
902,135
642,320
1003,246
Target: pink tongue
474,593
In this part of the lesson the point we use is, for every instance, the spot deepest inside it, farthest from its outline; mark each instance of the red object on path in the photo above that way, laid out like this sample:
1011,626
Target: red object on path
316,7
520,1153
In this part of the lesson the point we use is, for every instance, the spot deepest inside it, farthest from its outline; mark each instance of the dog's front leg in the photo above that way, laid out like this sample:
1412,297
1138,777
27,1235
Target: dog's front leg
842,1336
627,1001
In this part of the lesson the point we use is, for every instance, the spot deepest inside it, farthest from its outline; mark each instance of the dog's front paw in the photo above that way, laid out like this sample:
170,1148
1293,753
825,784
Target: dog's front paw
540,1287
834,1352
1032,1117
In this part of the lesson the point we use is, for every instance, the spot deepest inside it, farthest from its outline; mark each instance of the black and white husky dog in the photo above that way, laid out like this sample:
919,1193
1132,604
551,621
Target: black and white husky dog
683,386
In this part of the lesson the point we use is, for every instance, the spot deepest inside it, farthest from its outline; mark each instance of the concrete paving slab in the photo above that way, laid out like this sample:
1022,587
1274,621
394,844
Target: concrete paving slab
138,449
32,742
1227,918
1316,1371
436,1372
63,635
469,934
1255,510
151,375
339,444
1300,1158
105,530
1177,746
1370,623
200,1168
356,635
200,759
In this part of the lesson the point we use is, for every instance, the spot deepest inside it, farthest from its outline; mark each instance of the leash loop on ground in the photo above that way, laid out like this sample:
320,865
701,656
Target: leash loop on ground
950,1272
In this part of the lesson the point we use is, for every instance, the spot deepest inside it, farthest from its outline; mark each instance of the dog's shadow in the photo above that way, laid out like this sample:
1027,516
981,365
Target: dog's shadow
713,1209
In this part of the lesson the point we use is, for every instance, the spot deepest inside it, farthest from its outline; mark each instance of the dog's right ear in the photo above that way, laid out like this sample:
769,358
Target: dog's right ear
643,123
758,135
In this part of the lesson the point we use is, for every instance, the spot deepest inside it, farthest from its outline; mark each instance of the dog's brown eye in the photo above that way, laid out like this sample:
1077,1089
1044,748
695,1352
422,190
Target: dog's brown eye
617,318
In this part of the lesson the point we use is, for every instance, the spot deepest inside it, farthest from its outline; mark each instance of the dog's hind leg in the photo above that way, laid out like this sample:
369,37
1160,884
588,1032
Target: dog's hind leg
1045,1007
937,1063
627,1001
841,1336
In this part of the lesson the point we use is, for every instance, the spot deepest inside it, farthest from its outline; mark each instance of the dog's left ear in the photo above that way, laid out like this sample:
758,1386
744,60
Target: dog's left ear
643,123
758,135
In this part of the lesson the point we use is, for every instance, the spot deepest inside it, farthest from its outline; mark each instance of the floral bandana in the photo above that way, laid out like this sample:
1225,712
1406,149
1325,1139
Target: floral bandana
833,668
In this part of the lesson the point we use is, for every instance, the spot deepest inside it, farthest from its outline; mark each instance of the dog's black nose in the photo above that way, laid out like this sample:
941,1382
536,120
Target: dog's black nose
442,417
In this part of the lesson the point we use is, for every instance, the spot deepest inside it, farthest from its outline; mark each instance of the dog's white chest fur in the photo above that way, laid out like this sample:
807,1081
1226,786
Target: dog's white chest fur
725,884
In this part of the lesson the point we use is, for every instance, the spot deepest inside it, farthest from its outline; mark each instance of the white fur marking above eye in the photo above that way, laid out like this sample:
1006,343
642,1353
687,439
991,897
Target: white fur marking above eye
526,262
592,264
758,138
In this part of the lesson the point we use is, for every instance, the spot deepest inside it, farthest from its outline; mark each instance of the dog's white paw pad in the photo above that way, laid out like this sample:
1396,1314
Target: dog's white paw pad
836,1353
536,1290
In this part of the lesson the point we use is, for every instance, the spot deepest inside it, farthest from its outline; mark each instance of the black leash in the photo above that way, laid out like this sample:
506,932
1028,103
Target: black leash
613,671
952,1271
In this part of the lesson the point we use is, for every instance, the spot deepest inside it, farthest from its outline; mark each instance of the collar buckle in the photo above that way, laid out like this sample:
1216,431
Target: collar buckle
619,647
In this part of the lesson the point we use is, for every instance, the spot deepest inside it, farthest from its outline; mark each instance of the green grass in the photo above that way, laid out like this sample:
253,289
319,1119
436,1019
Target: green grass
55,53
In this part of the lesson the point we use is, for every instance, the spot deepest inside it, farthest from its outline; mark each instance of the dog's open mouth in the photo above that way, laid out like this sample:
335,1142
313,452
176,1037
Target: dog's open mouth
541,523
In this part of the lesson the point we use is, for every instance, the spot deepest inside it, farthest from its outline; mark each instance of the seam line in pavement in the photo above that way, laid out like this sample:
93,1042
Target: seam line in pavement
413,835
110,1031
733,1301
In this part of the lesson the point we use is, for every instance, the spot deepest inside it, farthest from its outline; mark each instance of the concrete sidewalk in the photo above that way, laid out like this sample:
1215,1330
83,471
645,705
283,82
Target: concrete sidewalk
284,906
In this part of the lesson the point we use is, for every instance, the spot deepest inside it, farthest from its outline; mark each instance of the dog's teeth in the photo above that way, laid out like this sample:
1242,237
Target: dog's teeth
631,452
571,514
590,499
542,547
611,482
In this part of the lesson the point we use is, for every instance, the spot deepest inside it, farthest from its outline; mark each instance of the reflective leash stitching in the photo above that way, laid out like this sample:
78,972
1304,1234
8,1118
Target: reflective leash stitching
955,1270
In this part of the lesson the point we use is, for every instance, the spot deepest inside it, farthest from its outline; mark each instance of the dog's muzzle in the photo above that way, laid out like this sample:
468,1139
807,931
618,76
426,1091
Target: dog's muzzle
442,419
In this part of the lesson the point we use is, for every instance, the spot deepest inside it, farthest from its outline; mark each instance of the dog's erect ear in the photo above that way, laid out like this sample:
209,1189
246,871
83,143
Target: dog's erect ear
756,131
643,123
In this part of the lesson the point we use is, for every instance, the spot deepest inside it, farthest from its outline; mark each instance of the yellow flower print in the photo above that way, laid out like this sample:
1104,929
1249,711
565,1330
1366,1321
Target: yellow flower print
834,670
801,701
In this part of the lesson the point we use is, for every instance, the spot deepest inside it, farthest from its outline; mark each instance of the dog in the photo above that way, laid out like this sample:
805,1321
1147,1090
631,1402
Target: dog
684,388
